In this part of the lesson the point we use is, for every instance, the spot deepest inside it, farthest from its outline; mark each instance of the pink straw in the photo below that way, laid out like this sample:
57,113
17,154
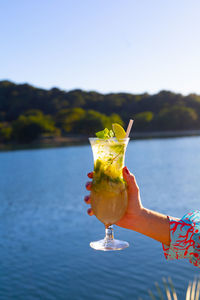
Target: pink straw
129,128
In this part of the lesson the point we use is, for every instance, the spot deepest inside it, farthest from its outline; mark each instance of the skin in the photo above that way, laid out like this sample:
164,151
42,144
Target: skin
138,218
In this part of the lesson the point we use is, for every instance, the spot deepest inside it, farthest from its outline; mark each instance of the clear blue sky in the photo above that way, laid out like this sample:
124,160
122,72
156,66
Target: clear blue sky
104,45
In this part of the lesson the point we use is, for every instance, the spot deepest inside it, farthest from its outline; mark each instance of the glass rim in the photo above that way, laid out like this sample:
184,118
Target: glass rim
110,139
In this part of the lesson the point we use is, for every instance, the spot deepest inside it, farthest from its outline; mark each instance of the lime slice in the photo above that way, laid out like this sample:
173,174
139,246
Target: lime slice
119,131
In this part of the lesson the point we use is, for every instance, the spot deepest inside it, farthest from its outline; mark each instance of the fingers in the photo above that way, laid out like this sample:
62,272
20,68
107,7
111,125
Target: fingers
88,185
87,199
130,180
90,212
90,175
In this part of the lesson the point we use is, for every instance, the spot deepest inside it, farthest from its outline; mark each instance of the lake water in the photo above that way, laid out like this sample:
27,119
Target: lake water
45,231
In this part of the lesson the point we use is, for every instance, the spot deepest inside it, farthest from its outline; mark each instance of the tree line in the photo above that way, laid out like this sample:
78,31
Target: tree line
27,112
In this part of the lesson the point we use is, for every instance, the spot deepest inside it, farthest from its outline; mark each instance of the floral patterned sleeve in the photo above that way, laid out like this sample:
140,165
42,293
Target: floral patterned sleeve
185,238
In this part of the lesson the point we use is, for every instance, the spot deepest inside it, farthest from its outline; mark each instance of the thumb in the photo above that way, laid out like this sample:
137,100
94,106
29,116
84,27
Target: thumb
130,180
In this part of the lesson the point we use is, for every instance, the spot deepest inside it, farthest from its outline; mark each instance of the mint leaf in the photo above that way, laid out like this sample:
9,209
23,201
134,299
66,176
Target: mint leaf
105,134
101,134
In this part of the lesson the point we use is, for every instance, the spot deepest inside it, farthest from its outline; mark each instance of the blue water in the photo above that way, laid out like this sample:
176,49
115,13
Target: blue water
45,231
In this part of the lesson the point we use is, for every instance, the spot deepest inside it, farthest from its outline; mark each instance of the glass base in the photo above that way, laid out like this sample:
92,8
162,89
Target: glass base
109,245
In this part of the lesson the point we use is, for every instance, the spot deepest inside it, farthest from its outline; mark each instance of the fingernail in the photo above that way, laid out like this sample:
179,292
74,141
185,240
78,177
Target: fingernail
87,184
86,198
89,175
126,170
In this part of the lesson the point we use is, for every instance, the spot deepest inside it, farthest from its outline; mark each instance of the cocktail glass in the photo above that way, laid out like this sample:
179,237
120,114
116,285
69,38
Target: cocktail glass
109,197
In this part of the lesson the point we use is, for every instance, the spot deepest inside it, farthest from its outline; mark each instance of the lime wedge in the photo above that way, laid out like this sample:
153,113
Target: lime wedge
119,131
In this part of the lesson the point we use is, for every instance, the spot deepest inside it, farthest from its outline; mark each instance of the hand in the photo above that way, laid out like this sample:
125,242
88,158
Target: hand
87,198
134,203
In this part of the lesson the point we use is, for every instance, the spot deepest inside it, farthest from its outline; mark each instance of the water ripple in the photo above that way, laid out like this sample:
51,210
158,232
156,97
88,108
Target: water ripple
45,231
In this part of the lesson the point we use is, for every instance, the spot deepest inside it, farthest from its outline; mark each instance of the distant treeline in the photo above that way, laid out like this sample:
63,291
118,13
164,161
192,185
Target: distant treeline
27,113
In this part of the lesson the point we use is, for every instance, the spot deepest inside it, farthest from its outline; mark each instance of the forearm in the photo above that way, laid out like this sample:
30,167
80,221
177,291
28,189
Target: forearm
153,225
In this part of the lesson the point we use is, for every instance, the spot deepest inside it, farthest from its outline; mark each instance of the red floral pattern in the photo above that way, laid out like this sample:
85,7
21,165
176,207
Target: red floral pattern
185,239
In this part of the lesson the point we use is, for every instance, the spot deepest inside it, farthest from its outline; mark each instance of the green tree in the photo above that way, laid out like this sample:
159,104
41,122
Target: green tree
31,125
70,108
115,118
143,120
177,118
91,122
67,118
5,132
94,121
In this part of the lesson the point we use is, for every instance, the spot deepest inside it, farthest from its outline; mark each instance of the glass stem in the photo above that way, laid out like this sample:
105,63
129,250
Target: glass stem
109,233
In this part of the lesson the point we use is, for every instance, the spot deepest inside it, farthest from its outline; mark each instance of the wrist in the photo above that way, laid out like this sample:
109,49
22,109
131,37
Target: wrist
152,224
138,218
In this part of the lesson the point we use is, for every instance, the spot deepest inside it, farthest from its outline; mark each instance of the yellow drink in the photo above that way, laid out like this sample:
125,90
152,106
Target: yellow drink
109,194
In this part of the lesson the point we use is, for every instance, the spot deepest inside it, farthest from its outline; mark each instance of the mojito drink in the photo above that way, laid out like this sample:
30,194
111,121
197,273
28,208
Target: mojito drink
109,193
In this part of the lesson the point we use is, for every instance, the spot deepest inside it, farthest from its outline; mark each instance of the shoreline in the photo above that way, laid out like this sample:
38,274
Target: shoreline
166,134
54,142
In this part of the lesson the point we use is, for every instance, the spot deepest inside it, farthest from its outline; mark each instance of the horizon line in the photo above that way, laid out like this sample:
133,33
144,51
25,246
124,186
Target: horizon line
97,91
